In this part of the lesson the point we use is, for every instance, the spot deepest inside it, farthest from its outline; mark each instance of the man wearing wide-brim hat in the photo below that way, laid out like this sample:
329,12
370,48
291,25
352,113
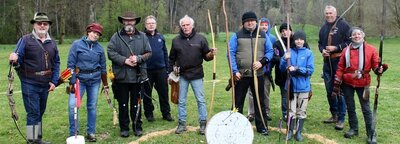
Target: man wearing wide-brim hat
129,49
37,56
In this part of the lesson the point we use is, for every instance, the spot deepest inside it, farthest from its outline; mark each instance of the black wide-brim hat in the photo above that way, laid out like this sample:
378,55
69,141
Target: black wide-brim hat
129,16
41,17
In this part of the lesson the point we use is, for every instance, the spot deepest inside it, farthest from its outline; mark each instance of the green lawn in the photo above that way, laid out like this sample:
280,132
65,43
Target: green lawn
56,119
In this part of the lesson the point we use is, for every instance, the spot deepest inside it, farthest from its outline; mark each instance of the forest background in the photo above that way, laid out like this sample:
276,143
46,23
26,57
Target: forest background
70,17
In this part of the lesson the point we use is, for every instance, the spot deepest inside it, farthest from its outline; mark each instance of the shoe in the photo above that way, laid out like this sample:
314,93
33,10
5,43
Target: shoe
250,117
124,134
168,118
332,119
202,129
339,125
263,131
91,138
138,133
351,133
40,141
150,118
181,127
269,118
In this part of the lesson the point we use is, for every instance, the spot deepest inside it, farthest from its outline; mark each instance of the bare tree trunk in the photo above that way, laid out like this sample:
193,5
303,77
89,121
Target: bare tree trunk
92,11
23,25
62,20
361,14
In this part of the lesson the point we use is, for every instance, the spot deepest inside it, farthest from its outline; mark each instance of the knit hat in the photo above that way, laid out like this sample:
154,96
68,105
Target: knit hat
299,35
41,17
264,20
96,27
284,26
247,16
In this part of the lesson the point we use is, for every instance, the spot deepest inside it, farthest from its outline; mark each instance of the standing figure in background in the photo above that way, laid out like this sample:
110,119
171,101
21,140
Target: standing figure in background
300,69
268,81
87,58
188,51
128,50
37,63
333,38
156,71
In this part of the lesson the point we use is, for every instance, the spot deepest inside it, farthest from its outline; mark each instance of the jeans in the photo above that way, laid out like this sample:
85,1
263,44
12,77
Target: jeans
92,95
337,106
366,110
197,86
158,80
35,99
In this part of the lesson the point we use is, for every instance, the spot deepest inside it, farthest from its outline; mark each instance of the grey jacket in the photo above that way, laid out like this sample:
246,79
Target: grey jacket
118,52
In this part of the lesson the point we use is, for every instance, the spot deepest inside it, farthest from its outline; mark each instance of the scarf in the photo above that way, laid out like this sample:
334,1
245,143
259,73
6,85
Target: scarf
360,48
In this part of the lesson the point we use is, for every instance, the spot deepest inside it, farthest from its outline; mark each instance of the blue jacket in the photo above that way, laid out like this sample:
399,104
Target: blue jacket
303,60
89,57
268,68
159,57
233,45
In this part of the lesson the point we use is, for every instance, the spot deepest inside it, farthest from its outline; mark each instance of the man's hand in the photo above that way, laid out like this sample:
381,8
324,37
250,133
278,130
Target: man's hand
105,89
257,65
325,53
52,86
213,51
330,48
130,61
292,68
237,76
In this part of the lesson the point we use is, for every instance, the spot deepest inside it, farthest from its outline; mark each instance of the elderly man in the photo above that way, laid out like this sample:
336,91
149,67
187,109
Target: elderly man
242,44
333,38
38,66
157,71
187,52
128,50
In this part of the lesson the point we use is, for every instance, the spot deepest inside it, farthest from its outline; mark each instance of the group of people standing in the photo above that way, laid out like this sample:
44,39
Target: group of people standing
140,61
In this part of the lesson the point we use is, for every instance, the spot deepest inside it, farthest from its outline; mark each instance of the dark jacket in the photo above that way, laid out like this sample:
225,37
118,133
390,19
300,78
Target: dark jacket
32,61
118,52
188,53
340,39
159,53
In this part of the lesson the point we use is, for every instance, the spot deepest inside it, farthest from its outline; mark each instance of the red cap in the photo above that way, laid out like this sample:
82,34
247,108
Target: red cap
96,27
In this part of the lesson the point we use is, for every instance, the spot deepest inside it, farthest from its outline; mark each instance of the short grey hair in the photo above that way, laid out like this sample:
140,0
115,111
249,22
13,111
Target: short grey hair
186,17
357,29
330,7
150,17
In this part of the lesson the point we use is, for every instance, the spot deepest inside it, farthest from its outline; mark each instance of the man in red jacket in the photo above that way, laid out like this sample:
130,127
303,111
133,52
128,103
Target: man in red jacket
357,60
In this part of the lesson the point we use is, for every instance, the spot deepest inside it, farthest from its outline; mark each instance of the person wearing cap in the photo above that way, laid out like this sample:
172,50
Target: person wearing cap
300,70
339,38
128,50
264,26
87,59
242,44
37,63
188,51
352,75
156,71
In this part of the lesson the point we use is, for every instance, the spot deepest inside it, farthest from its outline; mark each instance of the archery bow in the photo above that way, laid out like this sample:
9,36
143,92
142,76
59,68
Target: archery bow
228,49
288,118
214,65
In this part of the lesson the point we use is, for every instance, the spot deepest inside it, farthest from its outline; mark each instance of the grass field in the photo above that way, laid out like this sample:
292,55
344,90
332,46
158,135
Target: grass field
56,117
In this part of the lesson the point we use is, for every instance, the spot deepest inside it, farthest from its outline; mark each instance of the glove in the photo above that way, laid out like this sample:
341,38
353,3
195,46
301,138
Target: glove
336,87
384,67
72,80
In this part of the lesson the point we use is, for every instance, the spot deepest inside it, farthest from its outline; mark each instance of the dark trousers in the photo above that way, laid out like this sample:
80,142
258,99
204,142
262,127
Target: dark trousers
35,100
241,88
337,106
348,92
158,80
129,92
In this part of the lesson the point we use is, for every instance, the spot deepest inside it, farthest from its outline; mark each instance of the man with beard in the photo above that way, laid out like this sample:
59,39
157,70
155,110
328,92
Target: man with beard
242,45
187,52
129,49
38,65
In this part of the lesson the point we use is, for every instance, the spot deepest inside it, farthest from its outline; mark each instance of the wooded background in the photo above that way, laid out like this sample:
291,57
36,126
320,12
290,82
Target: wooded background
70,17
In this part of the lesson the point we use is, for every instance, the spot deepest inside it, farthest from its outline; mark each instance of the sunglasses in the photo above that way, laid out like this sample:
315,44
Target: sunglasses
42,23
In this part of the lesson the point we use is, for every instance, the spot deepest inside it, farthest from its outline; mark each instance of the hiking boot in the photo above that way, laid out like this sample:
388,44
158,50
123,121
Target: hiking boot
91,138
332,119
263,132
124,134
150,118
202,129
250,117
181,127
168,118
138,133
339,125
351,133
372,138
269,118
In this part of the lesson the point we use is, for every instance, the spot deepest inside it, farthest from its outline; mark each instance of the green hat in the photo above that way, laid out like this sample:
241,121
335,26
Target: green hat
40,17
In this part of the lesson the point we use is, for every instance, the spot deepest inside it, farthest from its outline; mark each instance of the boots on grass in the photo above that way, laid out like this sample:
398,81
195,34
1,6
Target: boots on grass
298,136
181,127
290,132
351,133
40,134
202,129
332,119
